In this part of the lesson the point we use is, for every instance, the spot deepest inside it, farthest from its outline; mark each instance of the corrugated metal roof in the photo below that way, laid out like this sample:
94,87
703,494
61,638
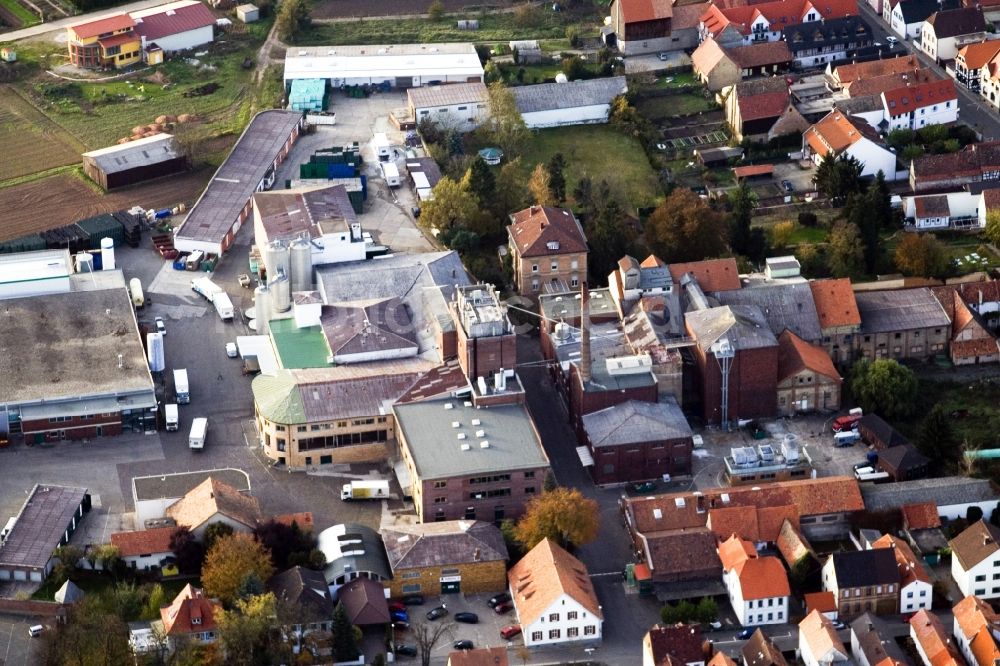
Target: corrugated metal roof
634,421
569,95
447,95
785,306
141,152
900,310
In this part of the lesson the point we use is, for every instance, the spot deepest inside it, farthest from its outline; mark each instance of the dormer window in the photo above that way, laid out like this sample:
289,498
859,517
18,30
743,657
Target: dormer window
552,245
196,620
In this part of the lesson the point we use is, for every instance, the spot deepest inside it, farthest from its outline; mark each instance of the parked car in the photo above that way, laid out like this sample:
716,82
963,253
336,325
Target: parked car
400,625
505,607
745,633
397,606
161,328
849,422
714,625
231,350
664,56
403,650
414,600
35,630
892,40
498,599
838,625
464,644
467,618
436,613
399,616
510,631
787,186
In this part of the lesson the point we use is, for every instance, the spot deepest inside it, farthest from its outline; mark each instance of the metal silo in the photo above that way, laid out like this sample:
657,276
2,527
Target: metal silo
262,308
276,259
301,262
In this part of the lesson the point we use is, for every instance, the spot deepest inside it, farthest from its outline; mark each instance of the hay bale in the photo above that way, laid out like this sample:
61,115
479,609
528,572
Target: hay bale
169,118
122,140
138,130
161,120
185,118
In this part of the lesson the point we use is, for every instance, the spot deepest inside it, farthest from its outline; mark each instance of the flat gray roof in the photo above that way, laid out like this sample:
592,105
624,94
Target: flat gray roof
555,307
433,441
166,486
607,341
40,526
785,306
65,346
232,185
447,95
744,325
569,95
899,310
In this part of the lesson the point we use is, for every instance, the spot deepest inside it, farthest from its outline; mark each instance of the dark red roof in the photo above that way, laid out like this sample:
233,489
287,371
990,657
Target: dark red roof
182,19
634,11
770,105
118,40
753,170
909,98
103,26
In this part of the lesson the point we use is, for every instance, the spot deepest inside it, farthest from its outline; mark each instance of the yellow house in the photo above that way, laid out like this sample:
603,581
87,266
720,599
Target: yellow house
107,42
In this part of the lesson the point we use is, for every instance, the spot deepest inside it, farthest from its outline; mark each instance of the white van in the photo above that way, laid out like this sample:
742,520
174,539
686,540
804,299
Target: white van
35,630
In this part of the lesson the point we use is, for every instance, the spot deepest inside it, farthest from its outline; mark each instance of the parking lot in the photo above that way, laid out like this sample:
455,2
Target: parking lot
484,634
16,647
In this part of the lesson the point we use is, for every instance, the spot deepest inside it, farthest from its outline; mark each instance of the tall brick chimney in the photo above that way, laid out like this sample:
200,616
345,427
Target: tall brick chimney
585,359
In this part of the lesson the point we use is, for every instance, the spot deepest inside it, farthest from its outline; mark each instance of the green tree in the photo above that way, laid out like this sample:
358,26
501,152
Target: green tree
685,228
782,233
992,230
214,532
452,206
563,515
557,177
608,234
345,646
68,557
479,180
540,186
550,483
189,552
743,203
846,249
435,11
575,68
127,601
293,16
884,387
707,610
511,190
156,600
245,630
838,177
936,438
231,560
91,635
921,255
505,126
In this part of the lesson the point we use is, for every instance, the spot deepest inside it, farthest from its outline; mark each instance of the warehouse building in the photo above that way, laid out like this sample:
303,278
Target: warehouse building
175,26
135,161
571,103
71,358
226,203
459,106
396,65
47,520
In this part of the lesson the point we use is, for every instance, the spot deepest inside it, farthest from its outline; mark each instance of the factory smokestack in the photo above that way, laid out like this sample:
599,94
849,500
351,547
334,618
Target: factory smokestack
585,359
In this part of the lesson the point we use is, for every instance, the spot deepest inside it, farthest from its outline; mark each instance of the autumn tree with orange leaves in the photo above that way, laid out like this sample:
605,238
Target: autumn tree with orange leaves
563,515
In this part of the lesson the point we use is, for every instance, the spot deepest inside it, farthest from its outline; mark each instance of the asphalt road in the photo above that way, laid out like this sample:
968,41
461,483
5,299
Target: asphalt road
973,110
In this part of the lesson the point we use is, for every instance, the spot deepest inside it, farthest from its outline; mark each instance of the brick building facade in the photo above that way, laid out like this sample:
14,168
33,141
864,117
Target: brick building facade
548,250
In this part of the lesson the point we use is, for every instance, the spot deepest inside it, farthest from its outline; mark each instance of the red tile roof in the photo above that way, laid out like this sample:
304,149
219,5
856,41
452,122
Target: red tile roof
909,98
708,54
143,542
835,303
545,574
734,551
635,11
921,516
847,74
876,84
796,355
753,170
910,568
103,26
534,229
711,274
173,19
763,54
836,132
763,578
975,56
759,107
824,602
930,635
118,40
687,16
683,642
190,612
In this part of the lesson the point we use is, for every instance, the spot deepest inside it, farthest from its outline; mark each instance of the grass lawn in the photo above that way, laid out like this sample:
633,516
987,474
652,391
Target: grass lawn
979,398
686,104
27,17
95,582
675,81
957,247
498,27
598,151
809,235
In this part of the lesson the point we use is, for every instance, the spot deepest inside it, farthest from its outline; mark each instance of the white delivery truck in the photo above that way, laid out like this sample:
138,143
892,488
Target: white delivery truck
206,287
199,429
390,172
170,416
223,305
383,149
869,473
181,386
365,490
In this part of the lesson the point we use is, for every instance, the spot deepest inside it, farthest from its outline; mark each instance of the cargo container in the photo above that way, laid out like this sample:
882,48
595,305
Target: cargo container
206,287
223,305
845,438
391,174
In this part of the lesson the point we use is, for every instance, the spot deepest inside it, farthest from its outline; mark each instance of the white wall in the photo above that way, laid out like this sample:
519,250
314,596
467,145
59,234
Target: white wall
583,115
186,40
988,588
563,605
199,530
337,248
820,58
463,117
144,562
640,46
921,597
873,157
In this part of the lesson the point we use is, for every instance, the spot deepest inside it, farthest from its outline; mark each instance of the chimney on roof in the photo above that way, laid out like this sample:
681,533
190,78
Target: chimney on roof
585,359
477,555
534,210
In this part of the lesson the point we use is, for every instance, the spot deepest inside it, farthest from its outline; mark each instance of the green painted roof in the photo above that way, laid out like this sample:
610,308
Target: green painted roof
299,347
278,398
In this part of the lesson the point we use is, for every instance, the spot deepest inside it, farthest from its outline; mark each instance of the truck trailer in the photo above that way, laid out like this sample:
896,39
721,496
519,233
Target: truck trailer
199,430
356,490
170,416
223,305
181,386
390,172
206,287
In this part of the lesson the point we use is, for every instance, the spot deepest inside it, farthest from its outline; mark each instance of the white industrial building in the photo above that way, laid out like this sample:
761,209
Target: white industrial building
459,106
176,26
398,65
570,103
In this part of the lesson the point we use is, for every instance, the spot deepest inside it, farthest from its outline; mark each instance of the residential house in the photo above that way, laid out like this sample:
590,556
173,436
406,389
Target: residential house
685,24
922,529
934,645
584,102
213,501
819,644
492,468
735,23
143,550
720,659
819,43
548,250
677,534
190,618
970,61
459,106
947,30
445,558
642,26
718,66
838,134
876,85
964,210
304,595
878,434
989,81
633,280
863,581
807,378
364,603
839,319
972,341
352,551
823,602
793,545
760,650
913,107
554,597
906,323
109,42
976,163
907,17
873,645
983,298
975,560
638,441
843,77
677,645
974,624
761,110
915,587
903,463
488,656
991,8
757,585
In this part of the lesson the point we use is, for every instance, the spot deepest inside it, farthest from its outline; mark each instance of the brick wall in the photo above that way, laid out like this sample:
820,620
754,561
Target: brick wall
819,391
585,402
455,497
564,271
75,427
483,356
477,578
753,384
641,461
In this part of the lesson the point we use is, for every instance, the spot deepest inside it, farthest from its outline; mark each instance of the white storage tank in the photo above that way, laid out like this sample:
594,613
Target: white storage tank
281,293
84,262
262,308
275,259
154,351
301,263
108,254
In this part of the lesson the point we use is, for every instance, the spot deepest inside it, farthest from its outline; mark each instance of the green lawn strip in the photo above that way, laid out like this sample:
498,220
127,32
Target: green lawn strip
26,16
668,106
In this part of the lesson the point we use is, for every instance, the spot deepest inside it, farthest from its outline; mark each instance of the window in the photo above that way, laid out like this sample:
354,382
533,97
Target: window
589,630
534,268
923,593
529,490
574,282
553,617
281,443
450,572
909,595
529,475
496,478
572,632
574,264
300,429
571,615
410,575
536,635
554,633
534,285
463,108
981,578
440,500
440,484
412,588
